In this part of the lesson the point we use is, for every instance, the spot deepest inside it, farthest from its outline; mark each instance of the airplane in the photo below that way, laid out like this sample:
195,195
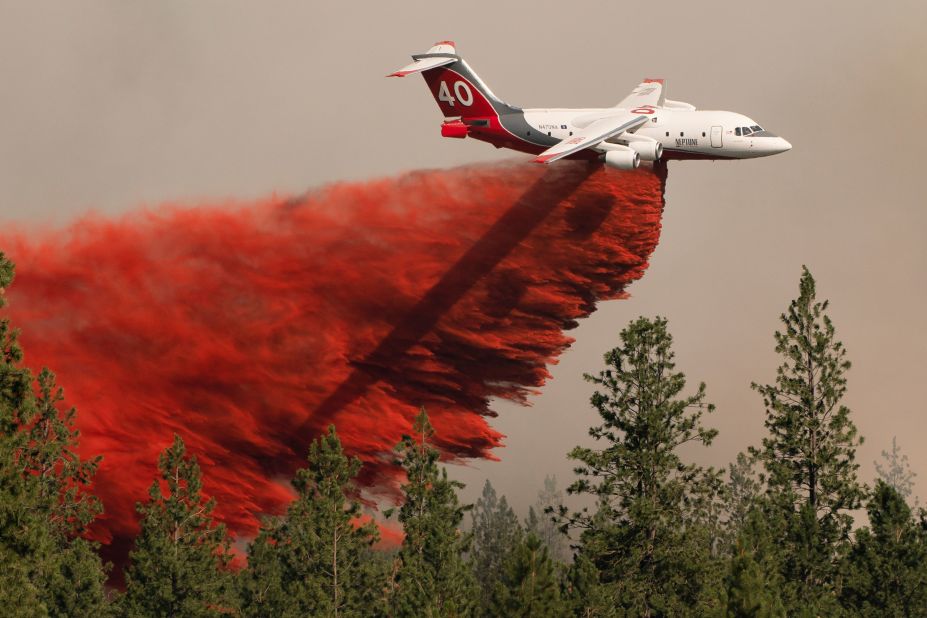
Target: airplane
645,125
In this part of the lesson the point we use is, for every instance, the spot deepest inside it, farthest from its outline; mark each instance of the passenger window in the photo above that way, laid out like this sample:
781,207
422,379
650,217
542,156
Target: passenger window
703,134
682,134
667,134
737,131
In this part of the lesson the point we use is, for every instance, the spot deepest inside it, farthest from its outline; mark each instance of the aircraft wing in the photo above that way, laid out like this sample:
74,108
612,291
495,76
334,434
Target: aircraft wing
649,93
597,131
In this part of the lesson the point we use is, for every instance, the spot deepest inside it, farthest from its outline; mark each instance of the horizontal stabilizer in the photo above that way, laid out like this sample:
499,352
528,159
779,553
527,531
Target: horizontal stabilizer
440,54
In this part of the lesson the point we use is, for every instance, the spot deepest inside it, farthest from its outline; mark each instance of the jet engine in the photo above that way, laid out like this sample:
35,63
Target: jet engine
624,159
650,150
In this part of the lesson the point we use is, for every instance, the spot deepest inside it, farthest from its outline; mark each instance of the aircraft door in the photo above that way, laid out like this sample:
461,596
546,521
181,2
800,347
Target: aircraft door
716,137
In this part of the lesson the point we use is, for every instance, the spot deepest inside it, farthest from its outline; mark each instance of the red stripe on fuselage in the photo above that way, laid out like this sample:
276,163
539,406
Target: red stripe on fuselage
681,155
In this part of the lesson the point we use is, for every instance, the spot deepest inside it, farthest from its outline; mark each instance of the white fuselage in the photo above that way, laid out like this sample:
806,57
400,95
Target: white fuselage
683,133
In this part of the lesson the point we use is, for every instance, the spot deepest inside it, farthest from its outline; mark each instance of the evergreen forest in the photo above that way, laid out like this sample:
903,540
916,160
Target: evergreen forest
787,529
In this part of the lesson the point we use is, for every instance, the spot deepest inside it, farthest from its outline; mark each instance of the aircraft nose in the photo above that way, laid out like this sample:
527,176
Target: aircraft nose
782,145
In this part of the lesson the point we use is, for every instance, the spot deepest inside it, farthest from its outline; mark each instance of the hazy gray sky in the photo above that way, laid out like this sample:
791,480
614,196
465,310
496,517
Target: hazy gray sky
111,105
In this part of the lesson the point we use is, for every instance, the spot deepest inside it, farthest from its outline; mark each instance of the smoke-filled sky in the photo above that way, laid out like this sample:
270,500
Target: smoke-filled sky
109,106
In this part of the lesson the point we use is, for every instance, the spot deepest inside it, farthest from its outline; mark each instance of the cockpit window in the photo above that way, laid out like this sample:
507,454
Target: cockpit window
748,130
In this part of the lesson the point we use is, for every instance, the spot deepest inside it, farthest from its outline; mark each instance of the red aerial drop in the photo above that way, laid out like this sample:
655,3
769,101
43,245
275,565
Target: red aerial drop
248,327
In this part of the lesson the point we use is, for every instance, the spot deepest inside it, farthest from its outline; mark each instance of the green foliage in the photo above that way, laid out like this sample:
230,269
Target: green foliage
809,453
496,534
584,595
649,534
753,580
312,561
45,502
432,578
742,496
260,584
179,564
375,589
886,571
664,537
528,584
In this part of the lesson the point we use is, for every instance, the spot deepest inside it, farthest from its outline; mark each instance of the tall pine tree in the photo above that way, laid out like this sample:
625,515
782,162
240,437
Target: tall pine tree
45,502
259,586
647,535
529,583
312,561
179,566
432,578
584,594
886,571
496,533
809,453
753,582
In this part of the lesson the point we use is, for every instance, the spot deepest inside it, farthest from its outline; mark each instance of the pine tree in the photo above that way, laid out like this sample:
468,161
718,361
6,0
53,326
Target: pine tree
744,490
809,454
312,561
897,471
432,578
260,588
529,584
741,496
886,571
647,536
753,578
45,501
542,524
496,534
375,586
583,594
179,566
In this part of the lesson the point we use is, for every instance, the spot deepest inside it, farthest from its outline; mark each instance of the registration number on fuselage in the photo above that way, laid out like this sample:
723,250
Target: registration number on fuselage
686,141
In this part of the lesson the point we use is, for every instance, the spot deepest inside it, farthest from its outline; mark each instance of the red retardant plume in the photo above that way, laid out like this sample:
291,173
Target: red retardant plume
248,327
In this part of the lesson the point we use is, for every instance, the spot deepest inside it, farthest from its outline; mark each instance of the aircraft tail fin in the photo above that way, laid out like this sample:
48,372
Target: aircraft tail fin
458,91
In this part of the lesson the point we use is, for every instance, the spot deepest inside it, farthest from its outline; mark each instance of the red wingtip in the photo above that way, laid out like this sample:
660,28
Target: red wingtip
399,74
653,80
451,43
542,159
